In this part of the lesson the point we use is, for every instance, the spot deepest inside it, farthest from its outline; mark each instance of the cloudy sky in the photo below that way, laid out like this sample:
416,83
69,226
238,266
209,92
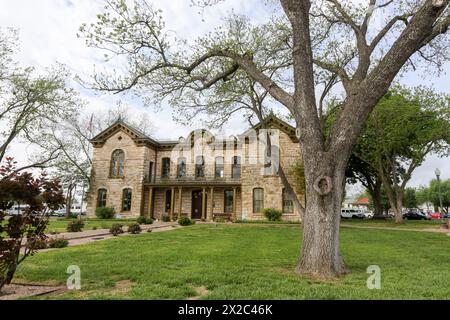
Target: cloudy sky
48,28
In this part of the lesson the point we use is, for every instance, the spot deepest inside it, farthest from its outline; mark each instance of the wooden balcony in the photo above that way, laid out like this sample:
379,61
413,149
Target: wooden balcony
192,181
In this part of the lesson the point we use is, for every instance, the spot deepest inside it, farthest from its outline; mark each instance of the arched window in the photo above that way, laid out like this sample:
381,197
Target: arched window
219,170
199,167
165,169
181,167
101,198
236,167
117,164
126,199
288,204
258,200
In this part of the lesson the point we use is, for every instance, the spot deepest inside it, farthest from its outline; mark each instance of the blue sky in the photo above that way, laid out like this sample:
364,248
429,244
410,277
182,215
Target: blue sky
47,30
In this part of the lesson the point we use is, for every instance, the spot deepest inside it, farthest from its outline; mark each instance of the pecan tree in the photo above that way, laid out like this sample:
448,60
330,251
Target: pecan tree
288,56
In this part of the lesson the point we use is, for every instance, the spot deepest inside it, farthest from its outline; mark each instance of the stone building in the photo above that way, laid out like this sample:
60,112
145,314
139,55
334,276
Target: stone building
200,176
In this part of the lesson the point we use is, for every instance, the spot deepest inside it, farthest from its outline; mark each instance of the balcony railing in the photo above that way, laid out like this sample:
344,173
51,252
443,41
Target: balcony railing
192,180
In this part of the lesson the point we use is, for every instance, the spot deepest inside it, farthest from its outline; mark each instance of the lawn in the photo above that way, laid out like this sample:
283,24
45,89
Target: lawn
390,223
246,262
60,224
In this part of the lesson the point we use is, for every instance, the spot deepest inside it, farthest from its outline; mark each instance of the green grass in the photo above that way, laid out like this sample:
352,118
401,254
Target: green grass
60,224
266,222
390,223
247,262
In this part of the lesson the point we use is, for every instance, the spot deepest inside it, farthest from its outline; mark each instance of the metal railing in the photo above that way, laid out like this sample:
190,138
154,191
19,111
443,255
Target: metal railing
192,179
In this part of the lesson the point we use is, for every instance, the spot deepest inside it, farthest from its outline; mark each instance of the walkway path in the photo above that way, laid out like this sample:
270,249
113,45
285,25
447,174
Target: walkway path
78,238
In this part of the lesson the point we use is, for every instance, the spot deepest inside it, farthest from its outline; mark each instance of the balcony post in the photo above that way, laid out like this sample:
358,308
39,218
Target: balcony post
211,211
150,202
172,202
180,199
204,204
234,203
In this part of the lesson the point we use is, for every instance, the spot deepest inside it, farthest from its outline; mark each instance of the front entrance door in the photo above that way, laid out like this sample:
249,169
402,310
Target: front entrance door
197,204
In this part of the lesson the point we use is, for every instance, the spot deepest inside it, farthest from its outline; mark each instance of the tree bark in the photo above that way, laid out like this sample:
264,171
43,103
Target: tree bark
377,204
398,208
396,202
320,252
376,197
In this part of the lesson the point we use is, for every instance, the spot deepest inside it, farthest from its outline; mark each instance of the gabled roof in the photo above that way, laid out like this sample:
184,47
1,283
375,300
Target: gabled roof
135,134
141,138
363,201
273,121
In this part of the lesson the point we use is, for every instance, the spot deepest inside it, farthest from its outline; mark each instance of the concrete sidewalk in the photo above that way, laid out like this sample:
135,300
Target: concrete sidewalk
84,237
104,232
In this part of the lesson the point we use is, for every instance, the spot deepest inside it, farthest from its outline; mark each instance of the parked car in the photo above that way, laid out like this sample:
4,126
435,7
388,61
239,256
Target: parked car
16,210
415,215
447,216
435,215
352,213
368,214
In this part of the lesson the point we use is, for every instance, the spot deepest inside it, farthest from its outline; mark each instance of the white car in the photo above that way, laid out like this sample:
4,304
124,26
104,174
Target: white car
16,210
367,214
352,213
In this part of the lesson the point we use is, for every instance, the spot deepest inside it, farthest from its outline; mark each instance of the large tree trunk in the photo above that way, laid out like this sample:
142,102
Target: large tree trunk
396,202
398,209
320,253
377,202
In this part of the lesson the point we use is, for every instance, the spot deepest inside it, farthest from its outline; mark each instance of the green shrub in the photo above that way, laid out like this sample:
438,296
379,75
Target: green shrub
273,214
144,220
39,244
134,228
116,229
94,228
185,221
140,220
75,226
105,212
58,243
165,218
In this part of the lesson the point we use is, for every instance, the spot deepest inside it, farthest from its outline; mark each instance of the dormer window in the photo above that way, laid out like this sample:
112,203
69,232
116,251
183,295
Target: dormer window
117,164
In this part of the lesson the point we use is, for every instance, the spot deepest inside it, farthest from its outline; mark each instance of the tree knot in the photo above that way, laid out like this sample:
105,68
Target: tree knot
323,185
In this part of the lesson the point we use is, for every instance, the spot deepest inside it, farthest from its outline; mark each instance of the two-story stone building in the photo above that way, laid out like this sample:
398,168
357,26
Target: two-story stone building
200,176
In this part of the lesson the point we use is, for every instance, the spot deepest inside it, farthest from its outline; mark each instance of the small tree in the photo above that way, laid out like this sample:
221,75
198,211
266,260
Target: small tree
39,196
409,198
445,194
31,102
360,171
405,127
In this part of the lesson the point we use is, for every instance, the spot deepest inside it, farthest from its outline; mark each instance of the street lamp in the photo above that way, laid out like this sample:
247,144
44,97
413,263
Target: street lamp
438,175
